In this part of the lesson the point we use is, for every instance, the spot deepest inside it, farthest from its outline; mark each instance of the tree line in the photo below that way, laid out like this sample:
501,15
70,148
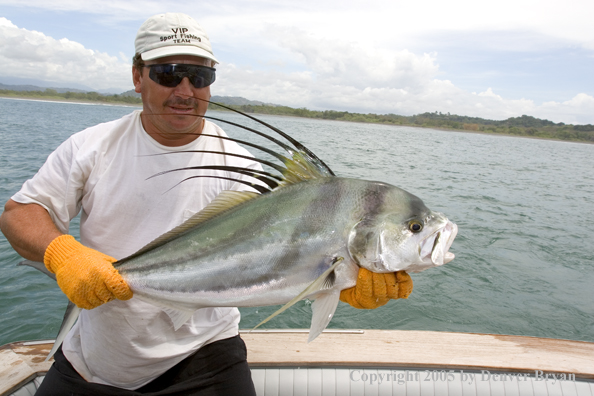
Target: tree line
519,126
85,96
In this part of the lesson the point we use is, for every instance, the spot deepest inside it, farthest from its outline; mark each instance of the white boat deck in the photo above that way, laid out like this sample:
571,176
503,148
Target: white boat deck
378,362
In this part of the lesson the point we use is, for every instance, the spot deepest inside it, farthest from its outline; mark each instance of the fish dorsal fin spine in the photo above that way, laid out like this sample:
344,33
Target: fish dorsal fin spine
224,201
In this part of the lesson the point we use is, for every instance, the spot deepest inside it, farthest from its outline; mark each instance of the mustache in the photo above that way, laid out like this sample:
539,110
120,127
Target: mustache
183,102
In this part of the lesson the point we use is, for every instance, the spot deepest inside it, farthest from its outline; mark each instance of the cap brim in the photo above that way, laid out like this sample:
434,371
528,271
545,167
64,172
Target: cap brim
177,50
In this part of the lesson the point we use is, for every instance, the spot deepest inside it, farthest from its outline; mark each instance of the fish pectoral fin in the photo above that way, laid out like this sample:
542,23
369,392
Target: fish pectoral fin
70,317
323,309
178,317
315,286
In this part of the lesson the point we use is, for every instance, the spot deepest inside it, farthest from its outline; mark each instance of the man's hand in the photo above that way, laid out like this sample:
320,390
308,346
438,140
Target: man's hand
86,276
374,290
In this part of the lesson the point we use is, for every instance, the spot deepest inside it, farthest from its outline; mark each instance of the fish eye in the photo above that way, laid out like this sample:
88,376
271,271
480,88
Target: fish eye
415,226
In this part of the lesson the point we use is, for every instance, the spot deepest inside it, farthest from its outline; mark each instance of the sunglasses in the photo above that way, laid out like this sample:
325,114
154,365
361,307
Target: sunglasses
170,75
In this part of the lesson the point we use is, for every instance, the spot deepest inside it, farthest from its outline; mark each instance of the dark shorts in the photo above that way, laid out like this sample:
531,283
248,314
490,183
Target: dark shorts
219,368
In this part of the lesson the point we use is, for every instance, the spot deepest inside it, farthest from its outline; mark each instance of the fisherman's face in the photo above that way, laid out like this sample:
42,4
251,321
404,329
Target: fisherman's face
172,115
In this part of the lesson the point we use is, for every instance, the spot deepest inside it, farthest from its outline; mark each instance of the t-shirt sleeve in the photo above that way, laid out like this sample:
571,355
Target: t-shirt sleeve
57,186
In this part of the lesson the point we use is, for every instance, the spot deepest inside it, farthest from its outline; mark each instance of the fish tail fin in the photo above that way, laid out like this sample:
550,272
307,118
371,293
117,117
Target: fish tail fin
316,285
38,266
70,317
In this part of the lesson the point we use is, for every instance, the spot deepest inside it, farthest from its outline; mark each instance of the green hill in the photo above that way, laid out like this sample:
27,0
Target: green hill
518,126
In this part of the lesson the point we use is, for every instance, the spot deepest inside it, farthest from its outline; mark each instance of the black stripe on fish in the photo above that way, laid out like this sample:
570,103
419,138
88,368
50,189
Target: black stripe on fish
375,197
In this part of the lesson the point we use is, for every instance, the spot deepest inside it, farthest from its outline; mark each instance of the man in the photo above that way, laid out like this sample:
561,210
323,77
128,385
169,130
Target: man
129,347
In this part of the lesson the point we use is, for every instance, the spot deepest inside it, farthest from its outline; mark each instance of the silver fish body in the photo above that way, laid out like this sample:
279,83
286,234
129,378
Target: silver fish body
269,249
304,240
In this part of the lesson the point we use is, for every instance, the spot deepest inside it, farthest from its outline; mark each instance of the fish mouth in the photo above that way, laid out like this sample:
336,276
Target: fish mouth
434,249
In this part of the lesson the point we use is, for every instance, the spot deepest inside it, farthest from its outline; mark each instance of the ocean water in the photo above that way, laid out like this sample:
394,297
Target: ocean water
524,207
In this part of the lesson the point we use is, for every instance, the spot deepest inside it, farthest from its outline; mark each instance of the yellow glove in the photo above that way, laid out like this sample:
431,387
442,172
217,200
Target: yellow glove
374,290
86,276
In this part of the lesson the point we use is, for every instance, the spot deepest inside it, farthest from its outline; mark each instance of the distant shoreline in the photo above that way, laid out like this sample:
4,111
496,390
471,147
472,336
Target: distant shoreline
91,102
506,135
447,130
64,100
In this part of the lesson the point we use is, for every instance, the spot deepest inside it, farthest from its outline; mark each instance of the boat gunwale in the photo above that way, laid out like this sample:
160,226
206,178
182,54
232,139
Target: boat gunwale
23,361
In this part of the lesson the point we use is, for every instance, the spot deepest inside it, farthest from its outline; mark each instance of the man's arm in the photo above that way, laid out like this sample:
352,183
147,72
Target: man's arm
28,228
85,275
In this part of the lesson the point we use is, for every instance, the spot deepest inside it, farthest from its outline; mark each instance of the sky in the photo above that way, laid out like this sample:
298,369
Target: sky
489,59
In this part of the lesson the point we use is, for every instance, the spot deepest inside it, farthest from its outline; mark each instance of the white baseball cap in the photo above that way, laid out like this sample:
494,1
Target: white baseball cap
172,34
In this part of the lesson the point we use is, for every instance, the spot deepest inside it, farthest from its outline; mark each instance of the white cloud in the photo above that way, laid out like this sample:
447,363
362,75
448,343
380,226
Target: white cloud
373,21
30,54
578,110
114,8
345,76
339,62
325,73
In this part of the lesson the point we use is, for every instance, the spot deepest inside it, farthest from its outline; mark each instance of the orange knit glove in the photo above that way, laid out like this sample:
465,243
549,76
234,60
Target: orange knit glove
86,276
374,290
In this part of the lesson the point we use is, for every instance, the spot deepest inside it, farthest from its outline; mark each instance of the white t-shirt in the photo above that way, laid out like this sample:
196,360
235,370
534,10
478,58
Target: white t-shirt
105,171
